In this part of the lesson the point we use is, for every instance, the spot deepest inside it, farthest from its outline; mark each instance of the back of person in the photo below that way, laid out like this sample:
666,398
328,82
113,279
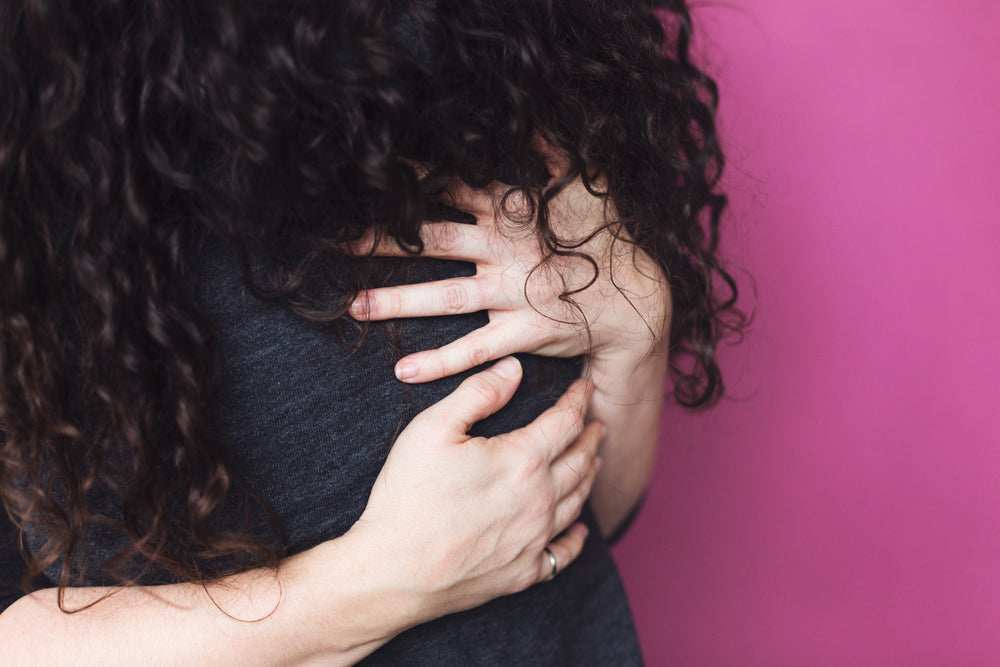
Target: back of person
313,422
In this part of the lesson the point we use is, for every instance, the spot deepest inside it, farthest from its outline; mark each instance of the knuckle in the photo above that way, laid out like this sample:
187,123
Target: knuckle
395,301
544,507
445,237
531,465
486,389
478,355
455,298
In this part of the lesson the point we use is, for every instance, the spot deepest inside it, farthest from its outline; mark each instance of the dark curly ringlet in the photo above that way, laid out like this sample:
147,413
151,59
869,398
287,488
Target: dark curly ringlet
128,130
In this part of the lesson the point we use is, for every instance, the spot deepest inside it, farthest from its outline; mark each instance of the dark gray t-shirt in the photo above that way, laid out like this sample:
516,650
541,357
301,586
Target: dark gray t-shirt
311,424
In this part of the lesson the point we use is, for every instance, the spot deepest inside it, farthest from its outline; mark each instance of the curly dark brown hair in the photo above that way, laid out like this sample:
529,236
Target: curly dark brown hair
128,129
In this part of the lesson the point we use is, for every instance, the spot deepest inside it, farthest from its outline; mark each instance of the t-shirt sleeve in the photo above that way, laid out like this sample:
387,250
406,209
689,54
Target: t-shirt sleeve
12,564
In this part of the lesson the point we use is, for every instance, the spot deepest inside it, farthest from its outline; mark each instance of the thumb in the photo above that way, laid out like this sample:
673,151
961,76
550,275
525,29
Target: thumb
478,397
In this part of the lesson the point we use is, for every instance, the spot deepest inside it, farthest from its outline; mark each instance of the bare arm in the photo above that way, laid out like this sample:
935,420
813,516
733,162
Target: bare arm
628,401
339,601
323,604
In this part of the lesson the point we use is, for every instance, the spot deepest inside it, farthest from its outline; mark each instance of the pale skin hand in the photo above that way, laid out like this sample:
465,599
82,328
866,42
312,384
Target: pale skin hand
396,568
526,487
627,310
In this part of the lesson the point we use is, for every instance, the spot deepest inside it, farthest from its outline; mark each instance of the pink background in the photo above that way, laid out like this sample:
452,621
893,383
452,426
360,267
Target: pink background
844,506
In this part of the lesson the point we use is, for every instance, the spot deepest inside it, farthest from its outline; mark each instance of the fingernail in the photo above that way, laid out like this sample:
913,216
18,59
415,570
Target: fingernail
598,463
507,368
362,306
407,368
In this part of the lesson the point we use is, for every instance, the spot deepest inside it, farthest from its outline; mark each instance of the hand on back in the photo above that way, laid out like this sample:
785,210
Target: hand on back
621,311
466,519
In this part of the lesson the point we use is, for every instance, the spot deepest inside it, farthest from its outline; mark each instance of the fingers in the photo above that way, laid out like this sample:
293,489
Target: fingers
476,398
477,347
440,297
558,427
571,468
564,549
568,509
477,201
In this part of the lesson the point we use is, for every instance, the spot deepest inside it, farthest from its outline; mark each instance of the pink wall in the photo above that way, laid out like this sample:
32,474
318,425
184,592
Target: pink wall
844,507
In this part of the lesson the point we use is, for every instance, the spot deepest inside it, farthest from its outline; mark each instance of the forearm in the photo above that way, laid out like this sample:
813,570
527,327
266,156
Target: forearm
323,604
628,399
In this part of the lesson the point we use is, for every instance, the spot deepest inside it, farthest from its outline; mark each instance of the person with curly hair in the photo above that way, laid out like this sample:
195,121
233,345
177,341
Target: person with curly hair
234,425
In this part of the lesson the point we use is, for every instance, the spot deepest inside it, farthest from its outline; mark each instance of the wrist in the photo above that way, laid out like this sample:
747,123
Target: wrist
345,599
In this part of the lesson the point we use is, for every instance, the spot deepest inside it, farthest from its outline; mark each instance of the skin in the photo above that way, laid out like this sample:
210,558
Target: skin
342,599
626,310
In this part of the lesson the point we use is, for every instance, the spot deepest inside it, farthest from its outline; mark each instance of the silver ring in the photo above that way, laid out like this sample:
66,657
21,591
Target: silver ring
553,562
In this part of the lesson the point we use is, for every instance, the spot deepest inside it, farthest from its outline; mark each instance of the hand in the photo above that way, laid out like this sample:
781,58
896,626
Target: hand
465,520
623,314
621,320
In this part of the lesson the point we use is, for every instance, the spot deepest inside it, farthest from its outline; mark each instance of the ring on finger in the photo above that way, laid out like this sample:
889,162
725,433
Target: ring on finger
553,562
